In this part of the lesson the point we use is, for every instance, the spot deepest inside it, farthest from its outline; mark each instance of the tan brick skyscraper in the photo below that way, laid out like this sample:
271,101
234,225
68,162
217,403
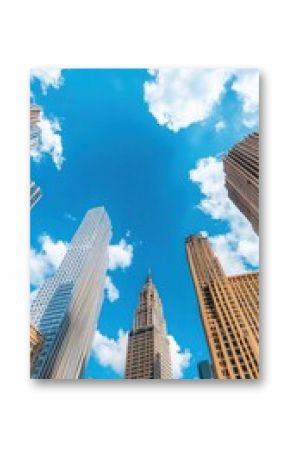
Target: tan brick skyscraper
241,167
148,354
229,308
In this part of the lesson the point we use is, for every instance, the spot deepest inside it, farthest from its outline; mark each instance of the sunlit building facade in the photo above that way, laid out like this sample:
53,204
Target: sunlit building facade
229,308
241,167
148,353
67,306
36,341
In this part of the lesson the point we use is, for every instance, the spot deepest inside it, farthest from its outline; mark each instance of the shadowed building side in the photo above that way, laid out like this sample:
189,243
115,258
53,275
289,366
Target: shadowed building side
241,167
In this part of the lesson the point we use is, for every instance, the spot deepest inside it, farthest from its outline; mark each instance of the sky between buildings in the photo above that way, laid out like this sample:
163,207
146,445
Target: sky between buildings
147,146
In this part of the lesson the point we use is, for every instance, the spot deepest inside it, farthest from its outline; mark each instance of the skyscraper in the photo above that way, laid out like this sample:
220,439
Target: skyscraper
34,114
36,341
148,353
34,128
35,194
229,308
67,306
241,167
204,370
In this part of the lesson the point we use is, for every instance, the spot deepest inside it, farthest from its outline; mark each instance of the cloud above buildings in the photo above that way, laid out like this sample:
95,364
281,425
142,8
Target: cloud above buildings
178,98
237,249
111,290
49,77
120,257
111,353
220,125
50,141
46,260
246,85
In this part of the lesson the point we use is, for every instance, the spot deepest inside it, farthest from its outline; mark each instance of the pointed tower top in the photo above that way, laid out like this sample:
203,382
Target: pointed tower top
149,277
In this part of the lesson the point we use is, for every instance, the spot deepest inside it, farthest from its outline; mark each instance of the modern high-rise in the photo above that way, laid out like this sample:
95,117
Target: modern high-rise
35,194
204,370
36,341
229,308
148,353
241,167
35,112
68,304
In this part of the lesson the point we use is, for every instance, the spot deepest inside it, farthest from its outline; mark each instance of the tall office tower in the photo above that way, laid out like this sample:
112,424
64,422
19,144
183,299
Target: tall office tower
34,128
241,167
35,194
229,308
36,341
148,353
204,370
68,304
34,114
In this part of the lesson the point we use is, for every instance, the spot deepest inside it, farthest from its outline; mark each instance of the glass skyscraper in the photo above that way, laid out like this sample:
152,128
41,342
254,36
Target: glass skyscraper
35,194
35,113
68,304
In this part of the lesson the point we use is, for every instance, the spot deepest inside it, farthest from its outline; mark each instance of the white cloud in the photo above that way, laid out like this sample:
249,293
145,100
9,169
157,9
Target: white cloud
180,360
48,77
220,125
69,216
238,247
50,141
246,86
177,98
111,353
111,290
44,263
120,255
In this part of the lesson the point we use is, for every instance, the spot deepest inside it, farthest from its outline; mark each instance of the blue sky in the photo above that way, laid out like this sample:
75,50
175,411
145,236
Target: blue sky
147,146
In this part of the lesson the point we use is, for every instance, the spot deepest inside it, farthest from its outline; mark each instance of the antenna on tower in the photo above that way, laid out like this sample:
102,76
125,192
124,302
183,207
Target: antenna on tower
149,277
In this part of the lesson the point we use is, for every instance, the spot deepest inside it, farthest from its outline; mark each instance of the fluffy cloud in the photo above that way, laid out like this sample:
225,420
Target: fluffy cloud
47,78
111,353
111,290
220,125
178,98
239,247
44,263
246,86
180,360
50,141
120,255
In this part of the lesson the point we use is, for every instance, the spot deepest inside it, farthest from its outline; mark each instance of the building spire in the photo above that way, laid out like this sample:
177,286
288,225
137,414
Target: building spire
149,277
